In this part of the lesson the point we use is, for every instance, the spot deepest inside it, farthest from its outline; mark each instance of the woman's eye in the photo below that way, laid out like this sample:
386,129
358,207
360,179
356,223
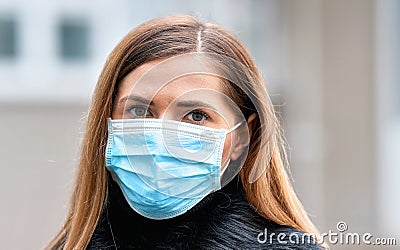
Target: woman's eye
139,111
197,116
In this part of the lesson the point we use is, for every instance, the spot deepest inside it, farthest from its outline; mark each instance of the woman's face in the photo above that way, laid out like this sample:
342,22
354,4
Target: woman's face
196,98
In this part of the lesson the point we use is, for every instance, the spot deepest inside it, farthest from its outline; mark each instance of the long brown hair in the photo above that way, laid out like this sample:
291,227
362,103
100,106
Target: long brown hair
271,193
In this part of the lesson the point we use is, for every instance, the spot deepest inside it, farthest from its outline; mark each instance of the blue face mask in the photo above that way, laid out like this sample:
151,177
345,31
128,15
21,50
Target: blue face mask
164,167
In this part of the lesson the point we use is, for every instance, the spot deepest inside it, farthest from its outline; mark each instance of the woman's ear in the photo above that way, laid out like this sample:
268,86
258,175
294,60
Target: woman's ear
242,137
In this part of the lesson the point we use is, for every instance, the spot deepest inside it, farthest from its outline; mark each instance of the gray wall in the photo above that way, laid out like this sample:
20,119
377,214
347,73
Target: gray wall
38,158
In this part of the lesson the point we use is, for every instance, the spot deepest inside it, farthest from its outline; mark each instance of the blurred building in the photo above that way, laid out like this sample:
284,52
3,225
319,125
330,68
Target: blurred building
331,67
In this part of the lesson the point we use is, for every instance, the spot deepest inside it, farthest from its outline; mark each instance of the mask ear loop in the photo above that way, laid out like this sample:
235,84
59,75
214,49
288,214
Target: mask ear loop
229,159
234,127
226,166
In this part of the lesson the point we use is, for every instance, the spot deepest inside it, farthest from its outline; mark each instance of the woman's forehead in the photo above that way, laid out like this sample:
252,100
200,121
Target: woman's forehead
194,85
174,87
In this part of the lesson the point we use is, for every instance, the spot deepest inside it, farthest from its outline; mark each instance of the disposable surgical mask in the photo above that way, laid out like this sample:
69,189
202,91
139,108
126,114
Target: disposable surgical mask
164,167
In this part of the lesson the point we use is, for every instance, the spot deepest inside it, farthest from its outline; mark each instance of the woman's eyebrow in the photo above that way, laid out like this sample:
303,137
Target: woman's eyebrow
191,103
135,98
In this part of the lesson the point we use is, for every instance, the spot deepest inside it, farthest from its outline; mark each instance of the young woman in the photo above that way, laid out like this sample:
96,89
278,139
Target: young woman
183,150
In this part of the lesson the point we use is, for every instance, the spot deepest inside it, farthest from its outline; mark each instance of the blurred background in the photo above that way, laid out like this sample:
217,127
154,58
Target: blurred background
332,68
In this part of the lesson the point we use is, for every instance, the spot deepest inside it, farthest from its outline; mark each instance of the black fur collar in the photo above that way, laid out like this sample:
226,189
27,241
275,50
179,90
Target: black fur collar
222,220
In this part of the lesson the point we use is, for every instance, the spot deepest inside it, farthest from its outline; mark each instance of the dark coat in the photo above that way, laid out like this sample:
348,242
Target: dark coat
222,220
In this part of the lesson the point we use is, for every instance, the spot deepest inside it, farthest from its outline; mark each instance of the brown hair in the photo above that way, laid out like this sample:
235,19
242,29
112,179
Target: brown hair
271,194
